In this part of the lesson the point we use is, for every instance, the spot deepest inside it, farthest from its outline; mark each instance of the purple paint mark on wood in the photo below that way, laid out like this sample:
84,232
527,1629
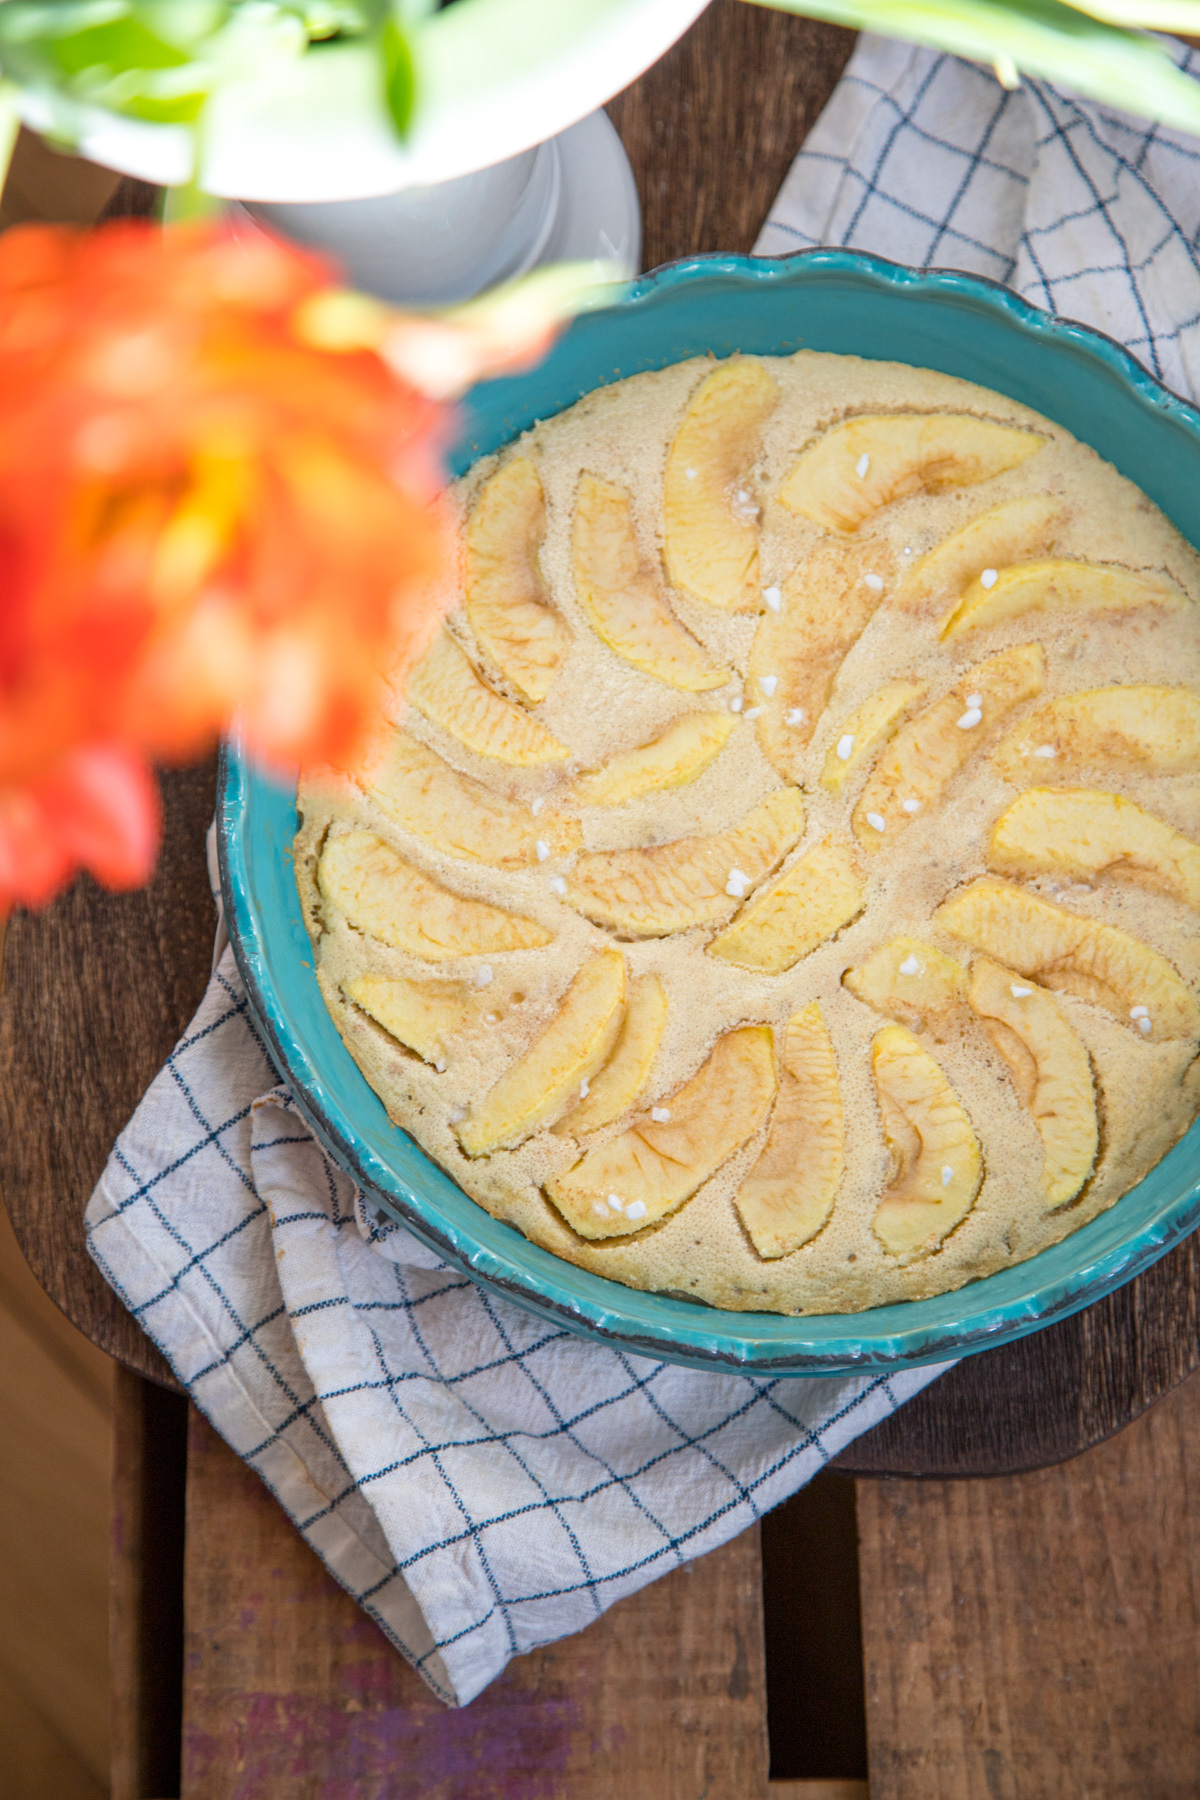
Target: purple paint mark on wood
348,1749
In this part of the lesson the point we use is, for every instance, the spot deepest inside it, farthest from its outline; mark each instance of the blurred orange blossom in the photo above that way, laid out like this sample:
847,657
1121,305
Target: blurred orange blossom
219,486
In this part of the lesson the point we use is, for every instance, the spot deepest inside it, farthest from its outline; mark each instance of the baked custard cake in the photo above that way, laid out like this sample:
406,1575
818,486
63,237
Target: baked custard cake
779,884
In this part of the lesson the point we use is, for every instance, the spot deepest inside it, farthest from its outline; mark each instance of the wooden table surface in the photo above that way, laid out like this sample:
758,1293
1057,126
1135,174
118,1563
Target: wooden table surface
100,985
1031,1635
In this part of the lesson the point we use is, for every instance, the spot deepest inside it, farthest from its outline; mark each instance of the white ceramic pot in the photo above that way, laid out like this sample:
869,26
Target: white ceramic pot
495,78
572,199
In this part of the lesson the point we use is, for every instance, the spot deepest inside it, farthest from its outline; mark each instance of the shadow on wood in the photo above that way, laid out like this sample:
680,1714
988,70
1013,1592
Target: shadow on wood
150,1426
816,1717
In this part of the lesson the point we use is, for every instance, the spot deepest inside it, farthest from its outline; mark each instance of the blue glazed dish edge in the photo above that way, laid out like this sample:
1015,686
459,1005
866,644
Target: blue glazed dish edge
661,1326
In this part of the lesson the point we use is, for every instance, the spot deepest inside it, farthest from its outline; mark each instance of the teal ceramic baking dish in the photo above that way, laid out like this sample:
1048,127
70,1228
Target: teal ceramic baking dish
822,300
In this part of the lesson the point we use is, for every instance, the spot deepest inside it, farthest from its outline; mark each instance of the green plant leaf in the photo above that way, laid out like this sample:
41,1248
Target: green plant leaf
119,44
10,125
1044,38
182,204
399,76
34,21
1146,15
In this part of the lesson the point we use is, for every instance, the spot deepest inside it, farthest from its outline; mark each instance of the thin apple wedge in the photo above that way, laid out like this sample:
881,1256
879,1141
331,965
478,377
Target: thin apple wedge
863,464
937,1166
790,1192
1055,585
1072,954
822,891
380,893
694,881
677,756
1050,1069
424,1016
1078,834
508,608
575,1045
914,770
709,515
461,816
613,1091
1142,730
621,594
449,690
639,1177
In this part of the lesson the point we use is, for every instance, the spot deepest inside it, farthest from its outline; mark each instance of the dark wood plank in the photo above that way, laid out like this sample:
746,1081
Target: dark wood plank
1038,1635
97,990
291,1693
1054,1394
712,128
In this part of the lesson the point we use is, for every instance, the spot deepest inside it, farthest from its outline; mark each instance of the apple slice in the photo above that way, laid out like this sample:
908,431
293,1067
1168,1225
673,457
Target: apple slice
622,595
680,754
824,607
1059,586
915,769
614,1090
913,983
378,892
709,515
1073,955
1078,834
694,881
1050,1070
461,816
575,1045
867,729
422,1015
866,463
822,891
650,1170
448,689
1142,730
789,1194
1004,534
506,600
937,1167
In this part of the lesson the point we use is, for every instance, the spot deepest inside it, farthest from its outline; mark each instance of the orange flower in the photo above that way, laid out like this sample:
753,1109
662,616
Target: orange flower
201,511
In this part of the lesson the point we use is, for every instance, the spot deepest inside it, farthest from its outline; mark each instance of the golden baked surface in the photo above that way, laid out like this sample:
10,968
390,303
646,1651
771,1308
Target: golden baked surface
781,884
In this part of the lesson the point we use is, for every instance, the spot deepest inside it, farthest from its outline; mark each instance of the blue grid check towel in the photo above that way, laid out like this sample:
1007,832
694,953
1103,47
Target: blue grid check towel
482,1482
1082,210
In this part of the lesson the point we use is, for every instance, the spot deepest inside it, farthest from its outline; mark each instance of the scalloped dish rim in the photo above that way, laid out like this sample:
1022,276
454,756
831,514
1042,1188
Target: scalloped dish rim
1069,372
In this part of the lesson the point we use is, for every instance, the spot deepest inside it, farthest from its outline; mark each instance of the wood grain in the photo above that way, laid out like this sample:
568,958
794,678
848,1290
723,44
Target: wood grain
293,1694
818,1790
711,129
1051,1395
97,989
47,185
1037,1636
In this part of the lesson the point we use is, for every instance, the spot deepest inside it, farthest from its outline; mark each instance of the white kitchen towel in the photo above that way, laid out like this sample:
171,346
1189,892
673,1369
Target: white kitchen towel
480,1481
1082,210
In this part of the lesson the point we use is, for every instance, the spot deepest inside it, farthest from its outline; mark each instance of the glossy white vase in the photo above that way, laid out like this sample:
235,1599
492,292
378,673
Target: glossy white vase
570,199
